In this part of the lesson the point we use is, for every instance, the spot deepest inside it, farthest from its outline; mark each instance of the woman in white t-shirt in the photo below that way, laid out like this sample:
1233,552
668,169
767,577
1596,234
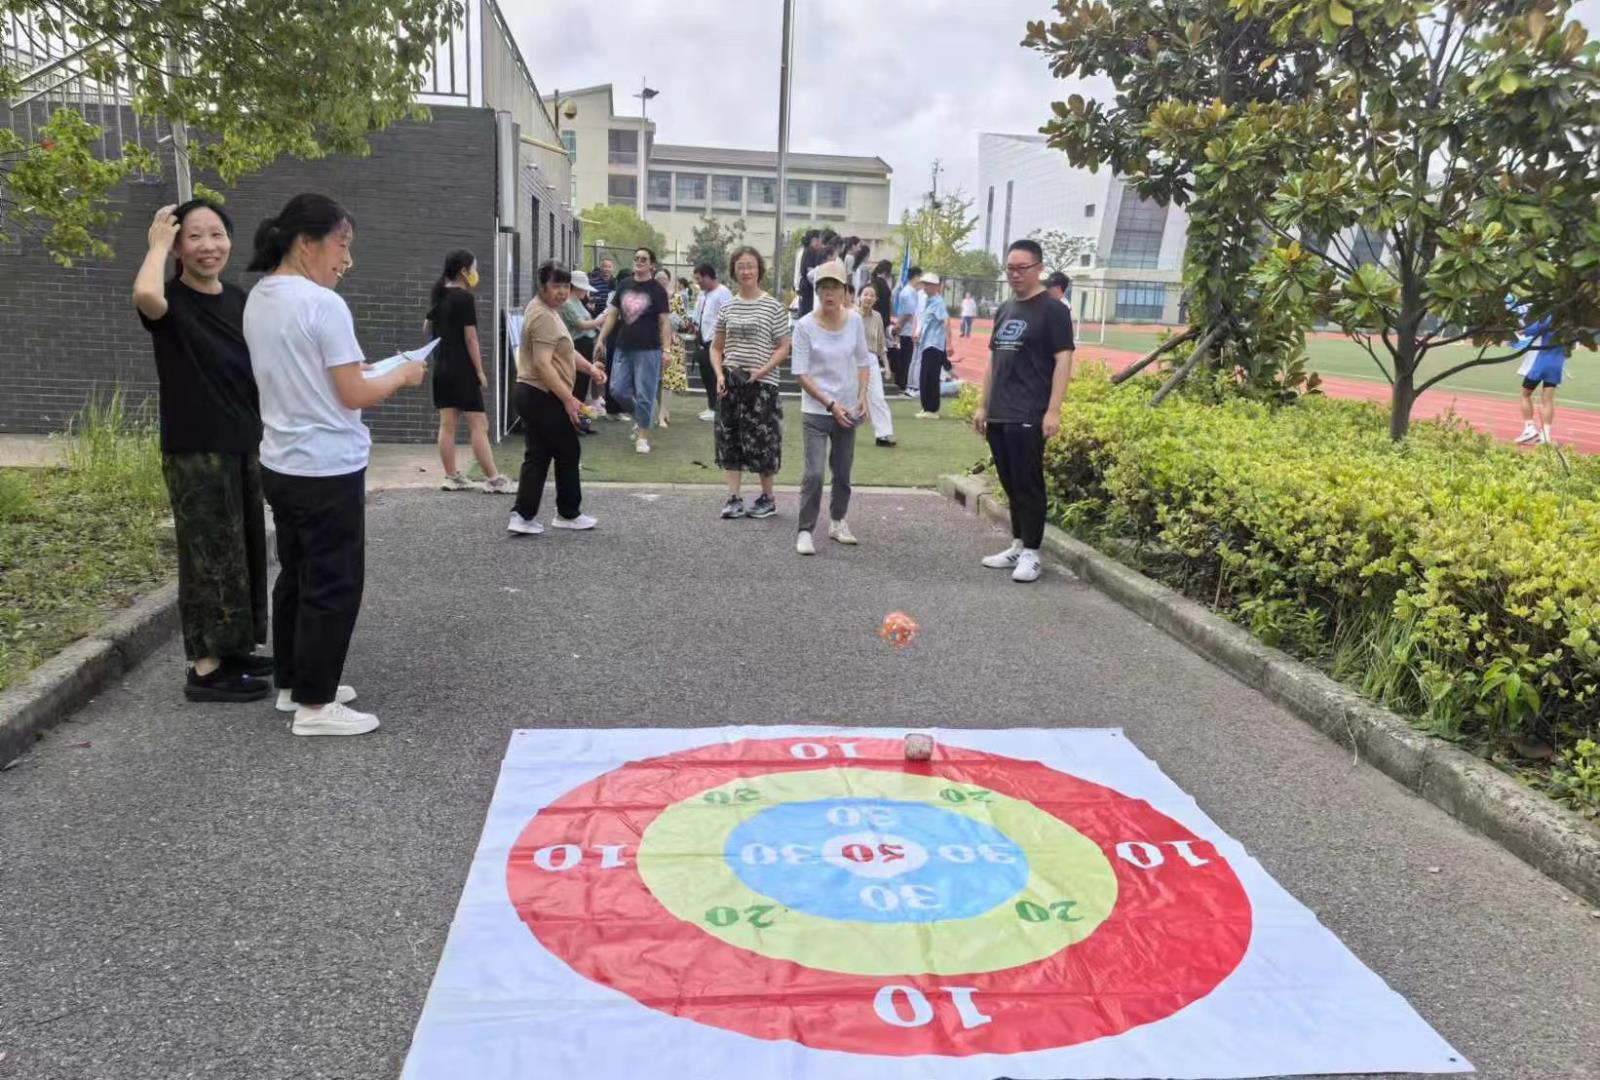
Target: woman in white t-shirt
834,367
311,376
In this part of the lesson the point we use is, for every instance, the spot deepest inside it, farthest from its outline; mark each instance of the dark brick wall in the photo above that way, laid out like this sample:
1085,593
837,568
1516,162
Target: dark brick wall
66,334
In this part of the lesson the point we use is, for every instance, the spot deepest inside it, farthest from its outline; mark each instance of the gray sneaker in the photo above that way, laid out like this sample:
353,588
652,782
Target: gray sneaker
733,508
457,482
500,485
764,506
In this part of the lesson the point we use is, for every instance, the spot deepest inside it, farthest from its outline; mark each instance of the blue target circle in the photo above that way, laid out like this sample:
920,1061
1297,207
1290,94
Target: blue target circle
876,860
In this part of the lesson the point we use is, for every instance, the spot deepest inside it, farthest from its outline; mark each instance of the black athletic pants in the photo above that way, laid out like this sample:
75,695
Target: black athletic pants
548,436
1019,459
900,364
933,361
322,549
708,374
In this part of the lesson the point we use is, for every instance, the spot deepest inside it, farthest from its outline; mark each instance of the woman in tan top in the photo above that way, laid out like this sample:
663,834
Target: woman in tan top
877,404
547,364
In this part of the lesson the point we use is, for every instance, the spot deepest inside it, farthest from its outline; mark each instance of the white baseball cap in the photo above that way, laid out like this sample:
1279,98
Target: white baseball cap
930,278
580,281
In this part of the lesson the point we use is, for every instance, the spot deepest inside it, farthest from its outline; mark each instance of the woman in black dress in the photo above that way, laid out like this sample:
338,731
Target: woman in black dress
458,375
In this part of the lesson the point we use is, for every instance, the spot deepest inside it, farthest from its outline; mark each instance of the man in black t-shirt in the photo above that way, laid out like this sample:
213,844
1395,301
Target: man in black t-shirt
1030,363
640,314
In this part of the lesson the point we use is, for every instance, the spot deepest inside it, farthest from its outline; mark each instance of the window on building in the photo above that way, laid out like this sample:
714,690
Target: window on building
624,147
660,191
1086,259
552,234
830,196
727,190
1088,209
622,190
763,192
799,193
691,190
1136,244
1140,301
569,139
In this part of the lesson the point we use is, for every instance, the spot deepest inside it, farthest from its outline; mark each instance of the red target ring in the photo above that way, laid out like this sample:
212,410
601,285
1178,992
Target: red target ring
1180,926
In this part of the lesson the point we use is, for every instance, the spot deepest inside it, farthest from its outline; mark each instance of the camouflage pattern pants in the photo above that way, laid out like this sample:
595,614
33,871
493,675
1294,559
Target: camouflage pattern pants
222,552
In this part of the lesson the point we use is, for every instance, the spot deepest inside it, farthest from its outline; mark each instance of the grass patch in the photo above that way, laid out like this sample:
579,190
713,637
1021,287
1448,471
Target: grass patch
683,453
80,542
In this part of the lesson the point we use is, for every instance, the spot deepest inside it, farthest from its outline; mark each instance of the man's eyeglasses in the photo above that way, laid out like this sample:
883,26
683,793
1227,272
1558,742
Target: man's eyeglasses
1020,268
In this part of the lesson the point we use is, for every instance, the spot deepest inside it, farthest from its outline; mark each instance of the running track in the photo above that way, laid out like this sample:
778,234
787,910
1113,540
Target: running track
1576,429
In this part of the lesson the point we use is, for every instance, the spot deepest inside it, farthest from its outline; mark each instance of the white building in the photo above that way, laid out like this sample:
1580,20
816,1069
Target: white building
1135,270
616,161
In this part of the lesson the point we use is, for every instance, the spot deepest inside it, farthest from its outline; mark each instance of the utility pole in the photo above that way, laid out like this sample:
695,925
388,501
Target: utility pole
785,70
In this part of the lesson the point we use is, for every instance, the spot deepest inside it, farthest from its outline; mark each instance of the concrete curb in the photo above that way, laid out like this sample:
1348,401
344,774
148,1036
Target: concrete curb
1547,837
72,678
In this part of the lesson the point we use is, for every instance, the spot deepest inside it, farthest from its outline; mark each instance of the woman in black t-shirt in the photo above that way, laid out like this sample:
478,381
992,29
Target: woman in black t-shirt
458,375
210,438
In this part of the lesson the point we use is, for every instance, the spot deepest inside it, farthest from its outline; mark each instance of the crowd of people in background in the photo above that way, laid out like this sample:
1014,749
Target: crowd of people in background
262,397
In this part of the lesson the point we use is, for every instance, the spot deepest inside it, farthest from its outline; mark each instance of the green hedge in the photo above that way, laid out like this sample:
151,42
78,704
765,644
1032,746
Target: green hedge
1450,577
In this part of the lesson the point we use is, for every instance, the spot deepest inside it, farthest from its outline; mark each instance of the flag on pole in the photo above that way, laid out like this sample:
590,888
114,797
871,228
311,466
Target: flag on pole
905,264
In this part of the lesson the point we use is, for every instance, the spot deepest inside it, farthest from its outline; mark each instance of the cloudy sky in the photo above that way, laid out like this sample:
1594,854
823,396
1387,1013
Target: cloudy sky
905,80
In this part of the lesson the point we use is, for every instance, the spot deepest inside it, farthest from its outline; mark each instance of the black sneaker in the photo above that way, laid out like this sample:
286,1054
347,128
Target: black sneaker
764,506
885,442
224,684
254,664
733,508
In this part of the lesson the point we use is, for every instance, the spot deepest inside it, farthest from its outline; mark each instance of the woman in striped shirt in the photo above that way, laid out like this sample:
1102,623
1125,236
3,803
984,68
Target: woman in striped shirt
752,342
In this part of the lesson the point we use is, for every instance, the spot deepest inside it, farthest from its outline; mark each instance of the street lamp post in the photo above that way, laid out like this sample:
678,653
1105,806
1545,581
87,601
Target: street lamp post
785,65
644,95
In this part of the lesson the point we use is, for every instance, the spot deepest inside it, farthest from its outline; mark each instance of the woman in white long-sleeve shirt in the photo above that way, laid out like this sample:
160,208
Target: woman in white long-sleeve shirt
834,367
310,373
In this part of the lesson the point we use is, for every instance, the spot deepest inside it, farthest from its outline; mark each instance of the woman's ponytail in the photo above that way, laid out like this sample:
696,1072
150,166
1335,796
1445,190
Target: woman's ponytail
270,247
311,216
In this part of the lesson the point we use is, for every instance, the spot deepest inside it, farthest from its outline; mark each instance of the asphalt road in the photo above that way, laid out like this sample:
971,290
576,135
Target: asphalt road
188,891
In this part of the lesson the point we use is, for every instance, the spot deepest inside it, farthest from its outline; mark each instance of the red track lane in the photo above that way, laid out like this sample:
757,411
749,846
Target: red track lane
1576,429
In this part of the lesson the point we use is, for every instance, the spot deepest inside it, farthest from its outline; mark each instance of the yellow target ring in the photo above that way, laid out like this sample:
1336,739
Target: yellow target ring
1070,887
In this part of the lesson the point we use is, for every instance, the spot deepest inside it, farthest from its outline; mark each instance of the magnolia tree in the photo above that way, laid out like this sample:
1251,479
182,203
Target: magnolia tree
252,78
1181,69
1398,167
1463,137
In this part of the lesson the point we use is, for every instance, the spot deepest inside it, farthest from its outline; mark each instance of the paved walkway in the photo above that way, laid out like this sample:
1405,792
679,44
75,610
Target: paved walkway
1576,429
188,891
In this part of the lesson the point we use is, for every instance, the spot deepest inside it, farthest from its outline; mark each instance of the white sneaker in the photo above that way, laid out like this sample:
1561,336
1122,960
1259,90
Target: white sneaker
840,531
332,719
708,415
343,696
1530,433
642,445
522,526
1028,567
804,545
927,416
579,523
500,485
1007,559
1547,436
458,482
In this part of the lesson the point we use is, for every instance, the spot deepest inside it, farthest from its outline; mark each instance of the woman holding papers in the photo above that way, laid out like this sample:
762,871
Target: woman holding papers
547,365
210,433
309,370
458,375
